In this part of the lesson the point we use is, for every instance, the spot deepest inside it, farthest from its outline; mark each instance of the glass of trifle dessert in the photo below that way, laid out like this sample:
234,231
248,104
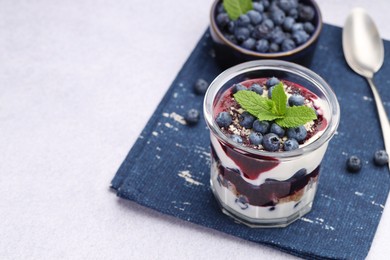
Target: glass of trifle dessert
270,123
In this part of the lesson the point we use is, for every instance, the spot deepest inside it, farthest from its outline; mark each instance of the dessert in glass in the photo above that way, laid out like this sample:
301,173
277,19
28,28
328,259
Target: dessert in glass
270,124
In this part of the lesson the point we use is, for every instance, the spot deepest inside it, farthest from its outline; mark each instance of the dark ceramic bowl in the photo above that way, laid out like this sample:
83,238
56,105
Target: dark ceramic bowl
229,54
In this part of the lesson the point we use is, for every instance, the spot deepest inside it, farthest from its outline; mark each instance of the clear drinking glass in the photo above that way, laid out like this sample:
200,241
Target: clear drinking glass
260,188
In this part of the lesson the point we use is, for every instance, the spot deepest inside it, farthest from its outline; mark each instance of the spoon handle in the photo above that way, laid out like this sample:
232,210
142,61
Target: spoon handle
384,120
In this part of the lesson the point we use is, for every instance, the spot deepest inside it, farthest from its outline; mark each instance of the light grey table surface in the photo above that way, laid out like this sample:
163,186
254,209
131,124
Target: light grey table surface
78,81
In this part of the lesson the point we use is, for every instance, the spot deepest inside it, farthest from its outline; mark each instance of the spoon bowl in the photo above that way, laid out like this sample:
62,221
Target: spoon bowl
364,53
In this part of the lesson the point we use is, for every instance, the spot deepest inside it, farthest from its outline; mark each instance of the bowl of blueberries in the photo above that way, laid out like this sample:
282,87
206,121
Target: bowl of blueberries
244,30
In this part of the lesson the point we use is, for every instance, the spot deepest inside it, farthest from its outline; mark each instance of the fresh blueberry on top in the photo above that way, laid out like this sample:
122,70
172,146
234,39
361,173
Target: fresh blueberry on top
354,164
296,100
272,82
246,120
270,91
262,45
261,126
237,87
192,117
236,138
223,119
255,138
256,88
298,133
381,158
255,17
201,86
290,144
276,129
271,142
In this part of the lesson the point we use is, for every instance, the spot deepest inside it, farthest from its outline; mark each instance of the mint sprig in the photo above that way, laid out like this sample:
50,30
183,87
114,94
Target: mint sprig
275,108
235,8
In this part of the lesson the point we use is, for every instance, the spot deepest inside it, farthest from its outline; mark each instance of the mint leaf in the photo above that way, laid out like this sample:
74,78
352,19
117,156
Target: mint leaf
235,8
254,103
296,116
280,99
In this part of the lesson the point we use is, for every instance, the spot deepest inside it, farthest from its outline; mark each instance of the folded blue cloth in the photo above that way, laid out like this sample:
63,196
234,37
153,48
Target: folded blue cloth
168,167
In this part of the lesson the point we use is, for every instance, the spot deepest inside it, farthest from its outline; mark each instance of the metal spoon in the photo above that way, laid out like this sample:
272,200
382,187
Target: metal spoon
364,52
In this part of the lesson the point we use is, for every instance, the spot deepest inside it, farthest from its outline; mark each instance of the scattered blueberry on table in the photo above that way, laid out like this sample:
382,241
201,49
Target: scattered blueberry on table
201,86
192,116
354,164
381,158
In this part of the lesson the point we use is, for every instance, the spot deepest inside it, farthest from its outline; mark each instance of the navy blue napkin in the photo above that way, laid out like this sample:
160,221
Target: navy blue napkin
168,167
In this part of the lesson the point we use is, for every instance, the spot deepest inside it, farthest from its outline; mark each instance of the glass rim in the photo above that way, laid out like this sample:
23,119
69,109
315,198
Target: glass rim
278,65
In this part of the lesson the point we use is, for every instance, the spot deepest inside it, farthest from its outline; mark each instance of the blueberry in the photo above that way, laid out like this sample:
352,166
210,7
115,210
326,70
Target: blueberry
258,7
262,45
381,158
261,126
288,23
255,17
276,129
249,44
241,33
298,133
220,8
296,100
231,26
277,36
306,13
278,16
354,164
246,120
273,47
256,88
300,37
288,45
231,38
265,3
237,87
271,142
269,23
255,138
243,20
201,86
192,117
270,92
236,138
297,27
222,19
223,119
293,13
242,202
261,31
308,27
272,82
287,5
290,144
